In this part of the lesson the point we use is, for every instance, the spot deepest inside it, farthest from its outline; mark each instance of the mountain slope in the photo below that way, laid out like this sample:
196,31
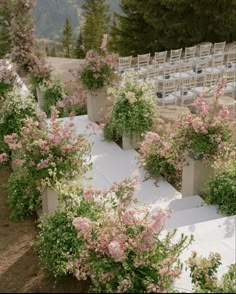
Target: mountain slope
50,15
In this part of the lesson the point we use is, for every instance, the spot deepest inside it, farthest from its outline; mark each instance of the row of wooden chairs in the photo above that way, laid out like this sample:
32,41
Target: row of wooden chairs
188,88
190,53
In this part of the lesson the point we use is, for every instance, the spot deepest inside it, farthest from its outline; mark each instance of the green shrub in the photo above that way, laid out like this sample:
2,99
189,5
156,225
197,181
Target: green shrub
133,109
23,196
56,239
53,93
221,190
110,133
14,110
204,275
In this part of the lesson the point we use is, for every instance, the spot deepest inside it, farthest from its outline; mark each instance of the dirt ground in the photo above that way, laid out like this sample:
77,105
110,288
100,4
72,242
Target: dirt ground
19,266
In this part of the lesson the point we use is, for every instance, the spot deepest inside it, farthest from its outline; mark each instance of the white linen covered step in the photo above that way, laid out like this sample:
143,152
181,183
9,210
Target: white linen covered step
192,216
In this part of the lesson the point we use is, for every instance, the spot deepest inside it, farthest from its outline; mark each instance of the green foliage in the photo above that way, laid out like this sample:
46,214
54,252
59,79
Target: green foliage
156,25
53,93
56,239
67,37
157,165
14,110
204,275
89,80
76,109
79,50
96,23
110,133
221,190
133,109
4,36
4,88
23,196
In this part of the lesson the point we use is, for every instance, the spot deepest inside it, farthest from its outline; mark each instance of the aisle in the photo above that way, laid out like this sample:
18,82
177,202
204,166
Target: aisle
112,164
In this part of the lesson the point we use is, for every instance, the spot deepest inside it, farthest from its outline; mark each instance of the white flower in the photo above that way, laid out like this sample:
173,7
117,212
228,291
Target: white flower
131,97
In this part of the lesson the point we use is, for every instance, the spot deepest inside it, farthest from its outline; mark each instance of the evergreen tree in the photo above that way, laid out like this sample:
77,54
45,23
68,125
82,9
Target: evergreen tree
96,23
67,37
131,34
79,51
155,25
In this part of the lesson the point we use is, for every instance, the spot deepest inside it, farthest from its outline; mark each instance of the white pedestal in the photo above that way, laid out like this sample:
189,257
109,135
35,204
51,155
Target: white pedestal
49,201
133,143
40,96
194,177
96,103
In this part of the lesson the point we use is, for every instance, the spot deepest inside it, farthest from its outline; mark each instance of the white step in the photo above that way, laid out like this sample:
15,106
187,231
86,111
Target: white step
217,229
184,284
192,216
186,203
226,249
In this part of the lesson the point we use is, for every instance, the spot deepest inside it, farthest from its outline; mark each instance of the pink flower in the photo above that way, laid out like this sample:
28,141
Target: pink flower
3,157
88,195
128,217
82,224
159,219
116,251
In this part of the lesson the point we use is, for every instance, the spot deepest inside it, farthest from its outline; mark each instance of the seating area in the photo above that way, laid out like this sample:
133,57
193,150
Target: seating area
179,79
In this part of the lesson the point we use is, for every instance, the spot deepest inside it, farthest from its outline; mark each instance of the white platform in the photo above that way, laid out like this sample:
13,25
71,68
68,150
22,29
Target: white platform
112,164
212,232
212,236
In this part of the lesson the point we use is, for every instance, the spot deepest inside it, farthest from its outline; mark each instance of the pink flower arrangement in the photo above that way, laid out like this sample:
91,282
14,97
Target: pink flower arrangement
50,150
201,134
99,69
160,155
7,78
121,250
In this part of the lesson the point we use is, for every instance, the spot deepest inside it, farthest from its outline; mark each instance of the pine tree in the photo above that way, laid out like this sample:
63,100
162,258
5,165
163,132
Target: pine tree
131,34
67,37
96,23
155,25
79,51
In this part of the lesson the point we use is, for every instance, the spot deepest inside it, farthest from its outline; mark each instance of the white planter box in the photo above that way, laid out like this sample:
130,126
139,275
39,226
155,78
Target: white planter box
40,97
49,201
128,143
96,104
194,177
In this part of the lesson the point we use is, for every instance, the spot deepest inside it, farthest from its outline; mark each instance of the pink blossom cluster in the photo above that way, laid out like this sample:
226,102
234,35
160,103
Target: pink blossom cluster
3,157
210,123
39,69
78,94
125,239
44,147
7,74
164,147
100,66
